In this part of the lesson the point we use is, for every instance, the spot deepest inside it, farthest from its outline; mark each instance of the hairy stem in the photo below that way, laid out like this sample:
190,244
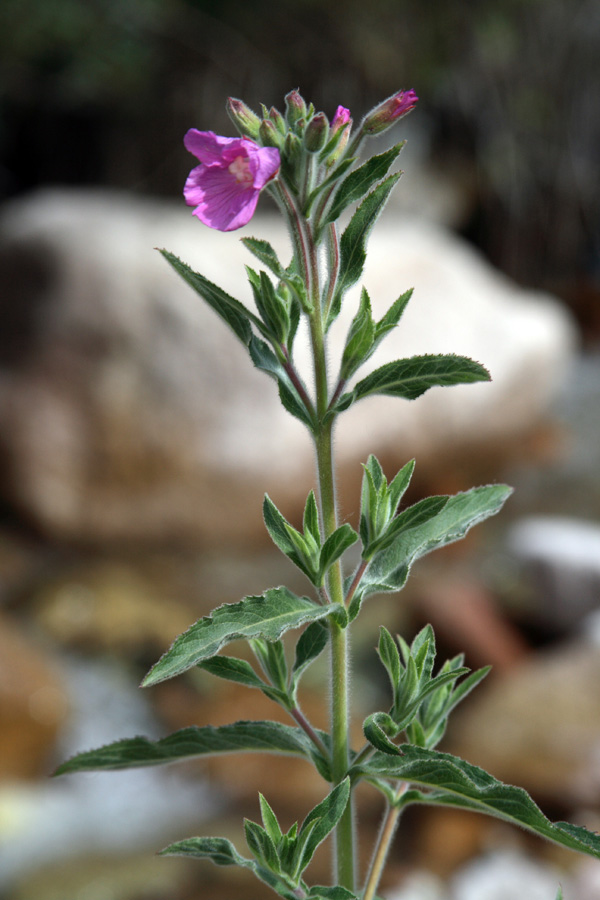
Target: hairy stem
384,842
344,836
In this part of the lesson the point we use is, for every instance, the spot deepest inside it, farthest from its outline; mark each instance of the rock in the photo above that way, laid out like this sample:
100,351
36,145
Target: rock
33,705
559,559
128,411
538,726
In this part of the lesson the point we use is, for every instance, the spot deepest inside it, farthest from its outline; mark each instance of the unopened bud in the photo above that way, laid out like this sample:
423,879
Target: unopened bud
295,107
383,116
243,118
315,135
269,135
278,120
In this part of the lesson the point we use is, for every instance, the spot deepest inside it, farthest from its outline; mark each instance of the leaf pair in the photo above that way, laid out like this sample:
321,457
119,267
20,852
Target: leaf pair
307,550
279,858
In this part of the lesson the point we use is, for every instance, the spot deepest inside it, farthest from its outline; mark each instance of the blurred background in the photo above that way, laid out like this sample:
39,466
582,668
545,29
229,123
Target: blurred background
135,444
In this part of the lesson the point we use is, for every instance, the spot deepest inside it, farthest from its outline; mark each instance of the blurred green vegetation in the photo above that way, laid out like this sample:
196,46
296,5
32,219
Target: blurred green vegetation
101,91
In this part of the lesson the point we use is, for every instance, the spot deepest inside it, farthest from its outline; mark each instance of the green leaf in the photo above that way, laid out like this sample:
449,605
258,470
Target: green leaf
318,892
412,517
389,569
359,342
335,545
392,316
272,309
291,543
356,185
223,853
409,378
263,358
390,657
310,645
326,815
219,850
261,845
270,820
310,520
264,252
232,669
267,616
376,728
192,742
450,781
353,240
230,310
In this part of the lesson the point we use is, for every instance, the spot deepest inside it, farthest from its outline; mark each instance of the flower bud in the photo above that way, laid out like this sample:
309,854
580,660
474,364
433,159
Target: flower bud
341,118
243,118
315,135
269,135
278,120
295,107
383,116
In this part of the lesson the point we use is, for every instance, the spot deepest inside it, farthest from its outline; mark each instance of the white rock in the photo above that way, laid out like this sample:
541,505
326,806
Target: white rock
135,407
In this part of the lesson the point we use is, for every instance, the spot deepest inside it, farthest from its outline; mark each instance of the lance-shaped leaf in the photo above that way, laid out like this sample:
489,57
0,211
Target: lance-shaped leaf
267,616
356,185
353,241
335,545
264,251
320,822
409,378
222,852
318,892
449,781
389,569
263,358
195,741
228,308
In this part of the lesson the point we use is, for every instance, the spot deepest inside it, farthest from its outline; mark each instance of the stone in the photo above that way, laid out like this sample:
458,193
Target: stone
128,411
538,726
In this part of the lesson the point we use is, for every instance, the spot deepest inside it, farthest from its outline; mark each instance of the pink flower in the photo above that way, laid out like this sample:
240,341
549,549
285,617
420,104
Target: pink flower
224,188
388,112
341,118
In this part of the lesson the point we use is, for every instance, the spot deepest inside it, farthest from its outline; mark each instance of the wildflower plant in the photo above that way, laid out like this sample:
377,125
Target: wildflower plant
311,168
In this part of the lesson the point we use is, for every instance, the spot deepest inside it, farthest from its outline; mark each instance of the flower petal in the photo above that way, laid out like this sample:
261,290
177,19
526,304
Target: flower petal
210,147
222,203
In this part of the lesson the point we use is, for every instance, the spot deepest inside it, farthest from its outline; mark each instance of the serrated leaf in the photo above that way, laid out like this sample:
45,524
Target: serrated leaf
353,240
389,569
410,378
228,308
451,781
192,742
356,185
264,252
267,616
335,546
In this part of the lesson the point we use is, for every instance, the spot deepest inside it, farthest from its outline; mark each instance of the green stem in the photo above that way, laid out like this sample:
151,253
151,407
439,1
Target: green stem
344,836
384,842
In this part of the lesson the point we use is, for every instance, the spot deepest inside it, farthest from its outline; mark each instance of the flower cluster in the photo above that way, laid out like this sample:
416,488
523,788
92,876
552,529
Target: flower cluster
301,148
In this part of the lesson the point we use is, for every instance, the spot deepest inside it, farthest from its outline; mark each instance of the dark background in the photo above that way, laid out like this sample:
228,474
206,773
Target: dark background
101,92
